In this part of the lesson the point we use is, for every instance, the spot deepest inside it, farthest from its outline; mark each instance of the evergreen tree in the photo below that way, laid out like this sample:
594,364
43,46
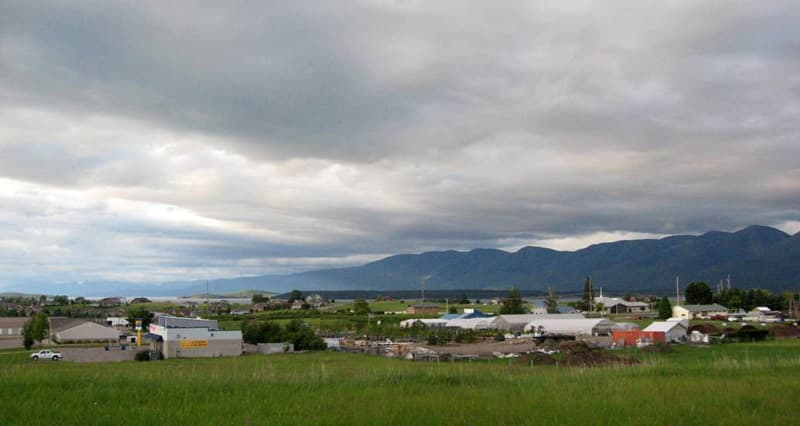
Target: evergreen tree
551,301
512,304
585,304
664,308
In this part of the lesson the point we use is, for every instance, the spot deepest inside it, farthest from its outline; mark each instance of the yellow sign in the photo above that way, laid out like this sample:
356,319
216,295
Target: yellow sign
193,344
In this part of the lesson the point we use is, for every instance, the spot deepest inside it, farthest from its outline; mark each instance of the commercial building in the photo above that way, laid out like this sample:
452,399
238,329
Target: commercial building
177,337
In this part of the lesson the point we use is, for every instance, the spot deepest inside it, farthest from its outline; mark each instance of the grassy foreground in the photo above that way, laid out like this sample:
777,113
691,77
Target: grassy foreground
726,384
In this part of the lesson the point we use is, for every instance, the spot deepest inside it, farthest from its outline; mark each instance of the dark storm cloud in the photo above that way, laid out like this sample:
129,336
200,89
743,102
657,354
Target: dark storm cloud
149,139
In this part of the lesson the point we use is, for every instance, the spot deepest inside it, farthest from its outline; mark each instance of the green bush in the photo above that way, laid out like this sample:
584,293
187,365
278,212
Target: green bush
142,356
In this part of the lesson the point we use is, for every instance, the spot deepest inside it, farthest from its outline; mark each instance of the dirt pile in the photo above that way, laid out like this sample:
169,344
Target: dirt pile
579,354
709,329
658,348
784,332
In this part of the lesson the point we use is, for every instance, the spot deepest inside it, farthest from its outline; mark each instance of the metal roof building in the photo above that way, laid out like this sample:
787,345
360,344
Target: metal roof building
518,322
571,326
674,329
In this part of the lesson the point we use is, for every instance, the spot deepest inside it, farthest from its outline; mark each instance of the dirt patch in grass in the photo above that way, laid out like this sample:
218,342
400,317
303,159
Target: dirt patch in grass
536,358
579,354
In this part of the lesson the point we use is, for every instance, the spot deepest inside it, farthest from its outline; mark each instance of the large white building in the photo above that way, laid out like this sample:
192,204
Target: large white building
572,326
517,322
177,337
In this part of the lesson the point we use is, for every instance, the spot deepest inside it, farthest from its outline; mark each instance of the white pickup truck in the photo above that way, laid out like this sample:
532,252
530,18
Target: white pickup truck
47,354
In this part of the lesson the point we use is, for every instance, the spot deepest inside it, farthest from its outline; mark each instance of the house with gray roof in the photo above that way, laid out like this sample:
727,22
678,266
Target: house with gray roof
699,311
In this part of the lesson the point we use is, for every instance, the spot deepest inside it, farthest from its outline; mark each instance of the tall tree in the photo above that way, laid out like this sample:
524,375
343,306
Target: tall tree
295,295
586,302
664,308
140,313
37,328
551,301
513,303
698,293
361,307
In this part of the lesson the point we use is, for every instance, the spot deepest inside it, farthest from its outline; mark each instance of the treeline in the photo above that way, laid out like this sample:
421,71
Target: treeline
296,332
699,293
749,299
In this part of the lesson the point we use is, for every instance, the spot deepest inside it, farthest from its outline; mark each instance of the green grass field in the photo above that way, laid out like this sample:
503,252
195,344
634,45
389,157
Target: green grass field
734,384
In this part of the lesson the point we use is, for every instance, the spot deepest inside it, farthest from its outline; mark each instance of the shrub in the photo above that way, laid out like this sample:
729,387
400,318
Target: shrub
142,356
499,337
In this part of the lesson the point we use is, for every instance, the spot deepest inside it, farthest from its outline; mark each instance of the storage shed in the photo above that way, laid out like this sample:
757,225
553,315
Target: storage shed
674,329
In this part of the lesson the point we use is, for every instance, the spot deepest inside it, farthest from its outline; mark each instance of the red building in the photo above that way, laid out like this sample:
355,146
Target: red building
631,338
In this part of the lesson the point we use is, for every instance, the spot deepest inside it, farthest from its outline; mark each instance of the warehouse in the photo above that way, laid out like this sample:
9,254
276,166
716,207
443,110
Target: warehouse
177,337
572,326
517,322
76,330
11,326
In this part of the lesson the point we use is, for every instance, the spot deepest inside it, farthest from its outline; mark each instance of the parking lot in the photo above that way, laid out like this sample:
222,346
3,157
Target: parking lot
97,354
10,342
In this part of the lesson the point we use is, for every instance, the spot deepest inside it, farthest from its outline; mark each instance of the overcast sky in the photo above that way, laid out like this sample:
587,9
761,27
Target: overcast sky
151,141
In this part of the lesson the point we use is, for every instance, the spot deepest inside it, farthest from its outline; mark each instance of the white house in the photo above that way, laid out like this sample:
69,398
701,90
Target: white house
698,311
616,305
674,329
763,314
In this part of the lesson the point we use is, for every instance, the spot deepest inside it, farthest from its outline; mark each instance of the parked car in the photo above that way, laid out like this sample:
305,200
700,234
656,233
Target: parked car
47,354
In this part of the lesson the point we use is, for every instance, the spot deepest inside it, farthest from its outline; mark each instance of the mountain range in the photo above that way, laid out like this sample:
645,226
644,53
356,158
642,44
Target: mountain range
756,256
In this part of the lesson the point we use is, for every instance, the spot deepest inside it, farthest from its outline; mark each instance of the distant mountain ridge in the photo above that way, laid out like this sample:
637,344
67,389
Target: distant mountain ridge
756,256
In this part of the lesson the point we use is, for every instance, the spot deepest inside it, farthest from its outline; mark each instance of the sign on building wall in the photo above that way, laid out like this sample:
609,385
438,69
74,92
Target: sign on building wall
193,344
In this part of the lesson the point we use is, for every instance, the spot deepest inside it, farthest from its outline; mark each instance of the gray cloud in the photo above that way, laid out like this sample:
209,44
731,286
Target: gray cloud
154,141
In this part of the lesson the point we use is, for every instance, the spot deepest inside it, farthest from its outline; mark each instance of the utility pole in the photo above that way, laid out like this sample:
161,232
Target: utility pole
422,289
677,290
729,281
